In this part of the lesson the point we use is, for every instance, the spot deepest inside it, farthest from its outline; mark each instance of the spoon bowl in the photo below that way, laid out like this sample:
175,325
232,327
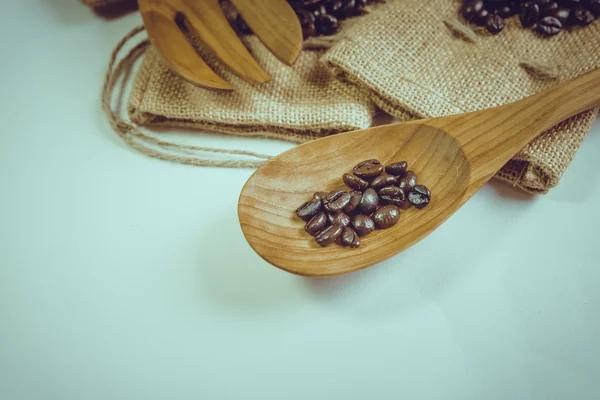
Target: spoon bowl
268,198
453,156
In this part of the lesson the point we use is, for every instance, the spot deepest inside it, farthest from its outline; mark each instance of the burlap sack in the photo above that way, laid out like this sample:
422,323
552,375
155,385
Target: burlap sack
413,59
415,62
300,103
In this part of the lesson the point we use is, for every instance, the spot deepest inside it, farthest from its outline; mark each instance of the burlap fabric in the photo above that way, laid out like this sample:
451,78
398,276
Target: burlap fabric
409,58
299,103
415,66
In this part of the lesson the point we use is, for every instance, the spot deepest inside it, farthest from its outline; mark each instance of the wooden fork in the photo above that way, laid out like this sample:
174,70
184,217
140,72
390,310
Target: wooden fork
273,21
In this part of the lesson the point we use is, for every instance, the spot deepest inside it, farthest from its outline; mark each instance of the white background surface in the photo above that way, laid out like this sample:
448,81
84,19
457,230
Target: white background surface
121,278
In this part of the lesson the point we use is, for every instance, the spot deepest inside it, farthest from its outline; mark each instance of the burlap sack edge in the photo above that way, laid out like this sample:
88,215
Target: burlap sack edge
293,133
521,171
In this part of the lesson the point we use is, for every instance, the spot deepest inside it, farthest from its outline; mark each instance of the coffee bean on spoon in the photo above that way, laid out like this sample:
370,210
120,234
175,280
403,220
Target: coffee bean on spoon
362,224
355,182
319,195
350,238
383,180
339,218
408,182
369,201
354,203
386,216
391,195
316,224
368,169
397,168
419,196
329,235
309,209
336,200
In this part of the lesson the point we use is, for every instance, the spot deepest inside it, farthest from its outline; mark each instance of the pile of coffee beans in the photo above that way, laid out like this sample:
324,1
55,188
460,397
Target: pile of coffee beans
320,17
545,16
374,202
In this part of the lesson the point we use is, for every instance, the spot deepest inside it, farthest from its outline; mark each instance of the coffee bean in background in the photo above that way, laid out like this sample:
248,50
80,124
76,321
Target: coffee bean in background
380,192
546,17
320,17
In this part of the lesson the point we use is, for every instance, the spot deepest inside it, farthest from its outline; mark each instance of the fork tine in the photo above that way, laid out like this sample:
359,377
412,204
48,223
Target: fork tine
171,43
209,24
276,24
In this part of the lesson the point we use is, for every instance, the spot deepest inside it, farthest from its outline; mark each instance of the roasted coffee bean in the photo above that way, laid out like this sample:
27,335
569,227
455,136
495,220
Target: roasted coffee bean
549,9
408,182
405,205
309,2
582,16
319,195
562,14
319,10
383,180
339,218
507,11
336,200
242,25
368,169
419,196
354,182
329,235
481,17
362,224
529,14
392,195
348,8
334,6
549,26
595,7
307,22
327,24
472,8
316,224
369,201
494,24
397,168
350,238
354,203
309,209
386,216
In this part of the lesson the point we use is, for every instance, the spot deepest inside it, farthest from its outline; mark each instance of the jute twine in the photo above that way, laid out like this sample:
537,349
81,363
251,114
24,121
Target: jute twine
147,144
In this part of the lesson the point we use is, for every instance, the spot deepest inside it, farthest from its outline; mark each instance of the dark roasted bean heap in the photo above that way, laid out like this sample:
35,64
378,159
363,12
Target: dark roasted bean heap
320,17
376,196
547,17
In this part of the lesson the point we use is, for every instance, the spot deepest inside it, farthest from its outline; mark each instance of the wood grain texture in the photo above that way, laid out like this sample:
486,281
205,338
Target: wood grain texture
454,156
273,21
276,25
173,46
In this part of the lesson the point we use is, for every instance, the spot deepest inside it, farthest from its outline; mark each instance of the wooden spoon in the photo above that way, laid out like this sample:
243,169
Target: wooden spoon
454,156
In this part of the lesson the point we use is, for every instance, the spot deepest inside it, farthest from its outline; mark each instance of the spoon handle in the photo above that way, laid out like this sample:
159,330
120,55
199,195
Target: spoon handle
489,138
